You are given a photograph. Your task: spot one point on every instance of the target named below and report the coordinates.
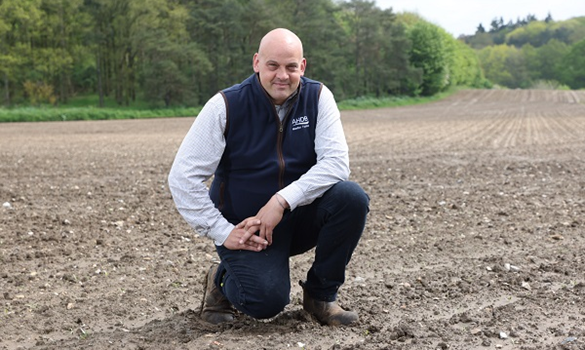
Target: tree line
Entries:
(532, 53)
(180, 52)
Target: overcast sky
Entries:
(463, 16)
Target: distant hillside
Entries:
(532, 53)
(527, 31)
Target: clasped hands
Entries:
(244, 237)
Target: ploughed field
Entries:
(475, 238)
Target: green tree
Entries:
(493, 60)
(463, 64)
(167, 55)
(116, 45)
(573, 66)
(59, 44)
(228, 32)
(318, 23)
(533, 62)
(18, 26)
(429, 53)
(535, 33)
(570, 31)
(8, 61)
(505, 65)
(106, 41)
(363, 25)
(479, 40)
(183, 51)
(549, 58)
(400, 76)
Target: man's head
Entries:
(280, 63)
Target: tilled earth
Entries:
(475, 239)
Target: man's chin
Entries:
(281, 90)
(280, 96)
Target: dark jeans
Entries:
(258, 283)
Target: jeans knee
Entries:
(353, 196)
(266, 305)
(259, 298)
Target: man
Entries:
(276, 148)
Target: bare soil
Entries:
(475, 239)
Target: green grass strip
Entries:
(392, 101)
(45, 114)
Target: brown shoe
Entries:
(328, 313)
(215, 308)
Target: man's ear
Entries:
(303, 66)
(256, 63)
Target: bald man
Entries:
(275, 147)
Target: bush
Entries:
(549, 85)
(39, 92)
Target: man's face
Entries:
(280, 67)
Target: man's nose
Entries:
(282, 73)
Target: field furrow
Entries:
(475, 229)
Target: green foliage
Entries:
(179, 53)
(535, 34)
(480, 40)
(39, 93)
(539, 33)
(530, 31)
(574, 66)
(504, 65)
(533, 53)
(570, 31)
(548, 60)
(377, 51)
(522, 68)
(442, 60)
(548, 85)
(429, 53)
(316, 22)
(167, 55)
(462, 64)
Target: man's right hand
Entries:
(243, 237)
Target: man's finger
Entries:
(262, 232)
(252, 224)
(257, 240)
(246, 236)
(251, 245)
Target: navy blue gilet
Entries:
(263, 155)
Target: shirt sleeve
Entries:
(195, 163)
(332, 156)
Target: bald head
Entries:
(281, 37)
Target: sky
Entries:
(463, 16)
